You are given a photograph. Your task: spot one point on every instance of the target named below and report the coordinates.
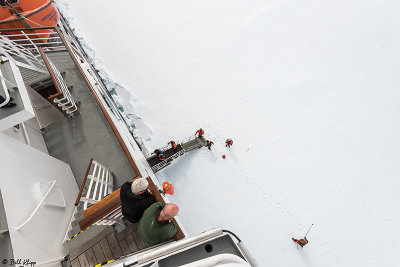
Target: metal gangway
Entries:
(171, 154)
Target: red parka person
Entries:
(302, 242)
(229, 142)
(159, 154)
(200, 132)
(173, 144)
(209, 144)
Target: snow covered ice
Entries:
(309, 93)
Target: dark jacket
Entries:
(153, 232)
(133, 205)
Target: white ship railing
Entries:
(37, 207)
(113, 217)
(101, 184)
(27, 58)
(67, 103)
(29, 40)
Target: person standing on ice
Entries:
(209, 144)
(200, 132)
(173, 144)
(302, 242)
(229, 142)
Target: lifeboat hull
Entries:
(30, 14)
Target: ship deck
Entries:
(88, 135)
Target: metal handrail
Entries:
(190, 138)
(26, 57)
(66, 103)
(166, 162)
(83, 183)
(38, 206)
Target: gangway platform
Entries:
(170, 154)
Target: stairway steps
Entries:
(30, 76)
(75, 230)
(86, 239)
(85, 236)
(76, 221)
(78, 214)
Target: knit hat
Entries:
(139, 185)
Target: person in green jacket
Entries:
(156, 225)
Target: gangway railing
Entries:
(193, 142)
(167, 161)
(63, 98)
(101, 184)
(184, 146)
(113, 217)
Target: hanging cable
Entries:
(238, 239)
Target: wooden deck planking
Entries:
(124, 247)
(114, 246)
(139, 241)
(131, 243)
(98, 252)
(83, 260)
(74, 254)
(75, 263)
(91, 257)
(129, 230)
(106, 249)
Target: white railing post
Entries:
(27, 140)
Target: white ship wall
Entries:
(23, 168)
